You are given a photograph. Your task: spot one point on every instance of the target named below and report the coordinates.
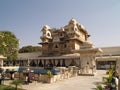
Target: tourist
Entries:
(115, 82)
(39, 77)
(26, 79)
(3, 77)
(0, 78)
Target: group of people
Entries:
(28, 75)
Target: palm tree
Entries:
(16, 83)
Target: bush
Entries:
(8, 88)
(99, 87)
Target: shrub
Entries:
(99, 87)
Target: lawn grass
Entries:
(2, 87)
(6, 87)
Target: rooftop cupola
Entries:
(46, 33)
(73, 21)
(45, 28)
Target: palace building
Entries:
(67, 46)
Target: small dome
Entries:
(46, 27)
(72, 21)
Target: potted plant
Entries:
(49, 76)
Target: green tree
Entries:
(9, 45)
(2, 44)
(29, 49)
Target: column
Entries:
(1, 62)
(56, 62)
(28, 62)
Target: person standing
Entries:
(0, 78)
(115, 81)
(119, 84)
(3, 77)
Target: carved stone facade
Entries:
(69, 45)
(56, 42)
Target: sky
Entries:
(25, 18)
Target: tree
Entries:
(29, 49)
(8, 45)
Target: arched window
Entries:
(32, 63)
(75, 29)
(61, 34)
(48, 34)
(65, 45)
(40, 64)
(56, 46)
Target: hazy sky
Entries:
(25, 18)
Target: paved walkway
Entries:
(75, 83)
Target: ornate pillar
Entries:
(1, 62)
(56, 62)
(28, 62)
